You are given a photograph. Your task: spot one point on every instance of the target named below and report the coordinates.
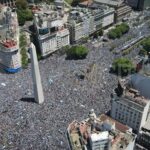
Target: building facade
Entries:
(10, 59)
(130, 108)
(51, 32)
(122, 10)
(100, 133)
(143, 139)
(80, 23)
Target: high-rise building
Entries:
(100, 133)
(10, 59)
(129, 107)
(51, 32)
(81, 24)
(122, 10)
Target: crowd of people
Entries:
(27, 125)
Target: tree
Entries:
(23, 47)
(21, 4)
(146, 44)
(24, 15)
(77, 52)
(123, 66)
(118, 31)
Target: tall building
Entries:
(136, 4)
(129, 107)
(103, 15)
(122, 10)
(85, 21)
(100, 133)
(81, 24)
(10, 59)
(50, 29)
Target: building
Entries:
(84, 21)
(104, 16)
(141, 83)
(80, 23)
(100, 133)
(143, 140)
(129, 107)
(136, 4)
(8, 2)
(122, 10)
(10, 59)
(51, 31)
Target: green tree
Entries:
(21, 4)
(24, 15)
(77, 52)
(146, 44)
(123, 66)
(23, 45)
(118, 31)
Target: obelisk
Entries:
(37, 85)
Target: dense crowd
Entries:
(25, 125)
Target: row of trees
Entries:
(23, 12)
(123, 66)
(146, 46)
(77, 52)
(118, 31)
(23, 47)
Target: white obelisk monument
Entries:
(37, 85)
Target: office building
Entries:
(10, 59)
(122, 10)
(81, 24)
(103, 15)
(129, 107)
(51, 31)
(100, 133)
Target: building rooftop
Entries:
(99, 136)
(140, 83)
(110, 2)
(97, 129)
(130, 94)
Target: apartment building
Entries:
(104, 15)
(81, 24)
(10, 59)
(51, 31)
(122, 10)
(100, 133)
(129, 107)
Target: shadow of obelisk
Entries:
(37, 85)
